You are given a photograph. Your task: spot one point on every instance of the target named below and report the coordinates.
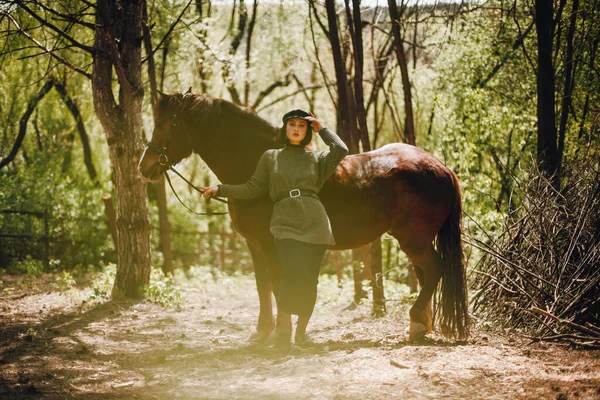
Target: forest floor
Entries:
(64, 344)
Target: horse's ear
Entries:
(162, 100)
(189, 90)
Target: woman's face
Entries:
(295, 130)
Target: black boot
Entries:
(301, 339)
(283, 342)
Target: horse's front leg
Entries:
(264, 286)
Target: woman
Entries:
(293, 176)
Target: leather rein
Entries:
(163, 160)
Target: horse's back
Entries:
(415, 169)
(397, 186)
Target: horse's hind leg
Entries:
(428, 313)
(430, 268)
(264, 286)
(430, 263)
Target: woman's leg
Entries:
(300, 263)
(284, 331)
(284, 321)
(300, 335)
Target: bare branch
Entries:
(319, 63)
(289, 95)
(49, 52)
(261, 96)
(316, 15)
(173, 25)
(147, 40)
(248, 49)
(518, 42)
(74, 18)
(33, 102)
(61, 32)
(83, 136)
(116, 60)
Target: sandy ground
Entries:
(59, 346)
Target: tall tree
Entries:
(118, 48)
(352, 122)
(345, 123)
(164, 225)
(355, 28)
(116, 53)
(409, 126)
(547, 150)
(569, 67)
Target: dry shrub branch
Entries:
(541, 276)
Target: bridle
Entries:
(163, 160)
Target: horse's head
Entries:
(171, 141)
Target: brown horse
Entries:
(397, 188)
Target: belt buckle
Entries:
(295, 193)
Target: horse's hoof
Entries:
(259, 337)
(416, 331)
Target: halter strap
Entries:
(195, 188)
(162, 153)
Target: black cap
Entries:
(295, 114)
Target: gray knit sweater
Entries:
(279, 171)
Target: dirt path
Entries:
(54, 347)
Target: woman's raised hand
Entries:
(209, 191)
(316, 124)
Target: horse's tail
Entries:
(454, 313)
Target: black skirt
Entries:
(300, 265)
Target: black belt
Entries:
(299, 192)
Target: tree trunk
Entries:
(161, 195)
(164, 226)
(203, 71)
(569, 72)
(118, 46)
(248, 51)
(354, 21)
(344, 121)
(409, 127)
(547, 152)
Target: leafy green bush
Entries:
(28, 266)
(102, 283)
(69, 213)
(163, 290)
(65, 282)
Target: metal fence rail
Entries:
(11, 242)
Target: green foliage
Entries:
(65, 282)
(163, 290)
(73, 216)
(29, 266)
(102, 283)
(474, 96)
(484, 125)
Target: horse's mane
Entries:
(209, 111)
